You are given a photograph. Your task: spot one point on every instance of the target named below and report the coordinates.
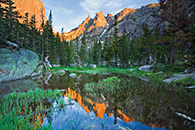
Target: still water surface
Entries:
(138, 106)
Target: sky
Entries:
(70, 13)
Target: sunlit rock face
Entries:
(79, 30)
(95, 26)
(124, 12)
(99, 21)
(131, 20)
(32, 7)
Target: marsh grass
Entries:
(23, 110)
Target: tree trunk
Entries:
(116, 60)
(173, 56)
(18, 39)
(58, 60)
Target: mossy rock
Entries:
(17, 64)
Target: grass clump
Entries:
(21, 110)
(112, 79)
(186, 81)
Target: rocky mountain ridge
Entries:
(130, 19)
(101, 26)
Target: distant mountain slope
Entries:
(32, 7)
(129, 19)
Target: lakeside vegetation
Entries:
(25, 110)
(160, 72)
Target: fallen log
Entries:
(147, 80)
(185, 117)
(190, 87)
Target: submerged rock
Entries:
(22, 85)
(146, 68)
(131, 70)
(18, 64)
(72, 75)
(61, 71)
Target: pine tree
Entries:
(115, 43)
(99, 52)
(55, 51)
(66, 53)
(42, 30)
(107, 52)
(76, 53)
(3, 29)
(83, 50)
(33, 31)
(50, 18)
(11, 18)
(148, 44)
(180, 15)
(159, 50)
(89, 57)
(26, 20)
(95, 52)
(71, 53)
(49, 40)
(124, 50)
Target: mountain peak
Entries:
(124, 12)
(100, 14)
(109, 15)
(153, 5)
(86, 20)
(99, 21)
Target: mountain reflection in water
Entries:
(91, 115)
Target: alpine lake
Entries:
(106, 101)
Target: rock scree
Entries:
(18, 64)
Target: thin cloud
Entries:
(92, 6)
(66, 11)
(114, 3)
(133, 6)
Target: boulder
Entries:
(131, 70)
(146, 68)
(61, 71)
(92, 66)
(54, 65)
(18, 64)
